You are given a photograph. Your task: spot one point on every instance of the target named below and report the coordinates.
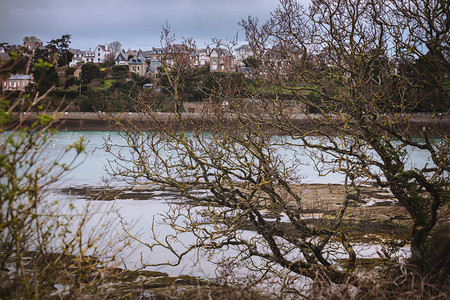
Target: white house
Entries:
(242, 53)
(77, 57)
(89, 56)
(101, 52)
(98, 55)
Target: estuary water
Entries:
(140, 214)
(91, 169)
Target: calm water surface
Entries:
(91, 170)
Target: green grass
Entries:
(108, 83)
(446, 83)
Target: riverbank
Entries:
(104, 282)
(101, 121)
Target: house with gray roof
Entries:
(157, 53)
(77, 57)
(17, 82)
(147, 54)
(121, 59)
(134, 53)
(138, 65)
(201, 58)
(89, 56)
(221, 60)
(241, 53)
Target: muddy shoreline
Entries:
(376, 215)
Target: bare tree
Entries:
(230, 167)
(115, 47)
(31, 41)
(361, 99)
(330, 65)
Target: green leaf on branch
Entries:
(44, 119)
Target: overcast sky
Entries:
(134, 23)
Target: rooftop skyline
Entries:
(135, 23)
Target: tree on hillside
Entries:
(250, 62)
(333, 59)
(18, 63)
(40, 54)
(59, 49)
(31, 41)
(89, 71)
(115, 47)
(45, 76)
(119, 71)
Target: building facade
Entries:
(241, 53)
(101, 53)
(17, 82)
(221, 60)
(137, 65)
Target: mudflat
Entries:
(372, 214)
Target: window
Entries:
(99, 60)
(98, 49)
(98, 54)
(138, 68)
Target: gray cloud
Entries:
(134, 23)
